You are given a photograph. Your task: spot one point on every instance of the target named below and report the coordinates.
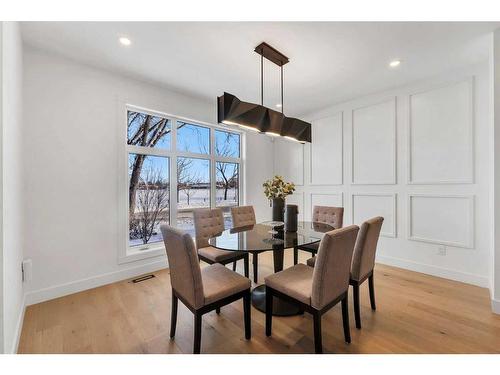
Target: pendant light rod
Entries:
(281, 88)
(261, 79)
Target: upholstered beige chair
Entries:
(316, 290)
(322, 214)
(208, 223)
(363, 262)
(201, 290)
(244, 216)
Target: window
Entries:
(227, 189)
(173, 160)
(193, 189)
(149, 193)
(193, 138)
(147, 130)
(227, 144)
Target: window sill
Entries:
(133, 255)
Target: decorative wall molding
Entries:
(339, 194)
(470, 173)
(469, 244)
(297, 198)
(393, 179)
(393, 233)
(341, 149)
(278, 153)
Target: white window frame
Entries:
(126, 253)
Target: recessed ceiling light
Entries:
(395, 63)
(279, 105)
(125, 41)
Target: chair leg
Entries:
(173, 316)
(345, 318)
(357, 314)
(269, 311)
(217, 310)
(371, 286)
(246, 265)
(197, 333)
(234, 266)
(318, 346)
(255, 261)
(247, 317)
(295, 255)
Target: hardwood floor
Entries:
(415, 313)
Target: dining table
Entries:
(261, 237)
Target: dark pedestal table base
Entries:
(280, 307)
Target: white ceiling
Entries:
(329, 61)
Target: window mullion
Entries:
(213, 185)
(173, 175)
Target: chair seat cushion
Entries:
(313, 247)
(311, 262)
(220, 282)
(295, 282)
(216, 255)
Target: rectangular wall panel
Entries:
(327, 151)
(365, 206)
(440, 135)
(289, 160)
(441, 219)
(374, 144)
(327, 199)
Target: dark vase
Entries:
(278, 205)
(291, 217)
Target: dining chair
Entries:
(323, 214)
(208, 223)
(201, 290)
(244, 216)
(363, 262)
(316, 290)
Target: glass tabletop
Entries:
(257, 237)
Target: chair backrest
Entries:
(243, 216)
(207, 223)
(185, 273)
(330, 215)
(333, 265)
(363, 259)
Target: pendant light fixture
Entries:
(255, 117)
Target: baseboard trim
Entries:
(19, 327)
(446, 273)
(61, 290)
(495, 306)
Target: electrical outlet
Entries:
(27, 270)
(442, 250)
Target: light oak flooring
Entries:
(415, 313)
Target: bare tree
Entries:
(186, 178)
(228, 171)
(152, 200)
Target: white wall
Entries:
(432, 187)
(12, 168)
(495, 168)
(259, 167)
(72, 151)
(1, 193)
